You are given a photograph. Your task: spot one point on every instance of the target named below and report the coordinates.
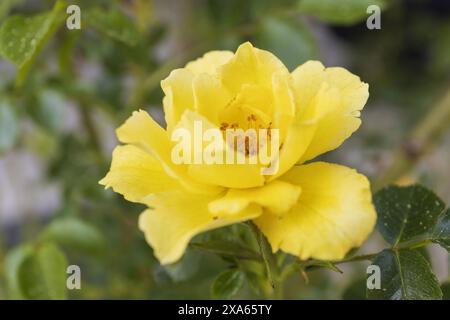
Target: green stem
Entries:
(357, 258)
(310, 265)
(413, 244)
(91, 130)
(270, 264)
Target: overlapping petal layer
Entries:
(142, 131)
(334, 213)
(276, 197)
(135, 174)
(334, 97)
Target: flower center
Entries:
(251, 128)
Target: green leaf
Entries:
(254, 282)
(36, 272)
(42, 274)
(424, 252)
(22, 38)
(114, 24)
(291, 41)
(342, 12)
(227, 284)
(74, 233)
(411, 214)
(13, 261)
(441, 234)
(313, 264)
(405, 275)
(227, 249)
(9, 126)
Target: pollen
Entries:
(224, 126)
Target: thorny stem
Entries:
(357, 258)
(422, 138)
(309, 265)
(88, 123)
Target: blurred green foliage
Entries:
(114, 64)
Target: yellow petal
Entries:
(277, 197)
(341, 96)
(177, 217)
(297, 140)
(209, 62)
(210, 97)
(250, 96)
(307, 80)
(178, 97)
(303, 131)
(297, 128)
(334, 213)
(136, 174)
(195, 87)
(142, 131)
(283, 96)
(228, 175)
(251, 66)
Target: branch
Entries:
(422, 139)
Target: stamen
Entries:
(223, 126)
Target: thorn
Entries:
(304, 276)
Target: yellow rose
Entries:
(316, 210)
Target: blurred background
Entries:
(58, 115)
